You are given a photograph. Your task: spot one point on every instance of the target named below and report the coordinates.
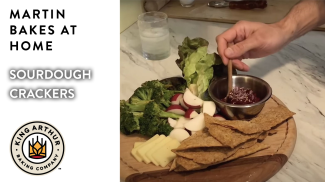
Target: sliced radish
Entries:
(175, 100)
(209, 107)
(179, 134)
(172, 122)
(193, 88)
(196, 107)
(219, 117)
(182, 103)
(190, 113)
(176, 109)
(192, 101)
(196, 124)
(181, 122)
(179, 125)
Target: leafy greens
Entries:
(196, 64)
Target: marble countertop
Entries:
(296, 75)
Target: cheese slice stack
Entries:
(134, 151)
(156, 150)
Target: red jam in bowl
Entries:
(241, 96)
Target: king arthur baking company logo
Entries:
(37, 148)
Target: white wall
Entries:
(129, 11)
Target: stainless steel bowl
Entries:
(218, 90)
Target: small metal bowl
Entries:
(218, 90)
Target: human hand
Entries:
(251, 40)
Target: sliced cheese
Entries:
(164, 155)
(137, 144)
(144, 149)
(157, 146)
(134, 151)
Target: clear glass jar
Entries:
(154, 35)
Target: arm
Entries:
(303, 17)
(255, 40)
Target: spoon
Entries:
(229, 73)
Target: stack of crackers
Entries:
(222, 141)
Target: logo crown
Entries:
(37, 149)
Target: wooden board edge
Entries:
(126, 171)
(160, 176)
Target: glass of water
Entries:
(154, 34)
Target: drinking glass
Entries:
(154, 34)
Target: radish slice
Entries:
(172, 122)
(192, 101)
(209, 107)
(196, 124)
(181, 122)
(196, 107)
(219, 117)
(175, 100)
(179, 134)
(190, 113)
(193, 88)
(182, 103)
(176, 109)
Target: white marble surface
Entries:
(296, 74)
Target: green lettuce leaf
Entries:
(196, 64)
(204, 70)
(187, 48)
(191, 62)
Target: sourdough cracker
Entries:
(229, 137)
(180, 169)
(263, 122)
(247, 151)
(200, 139)
(249, 143)
(185, 164)
(213, 154)
(207, 155)
(174, 165)
(223, 141)
(190, 165)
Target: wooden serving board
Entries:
(274, 12)
(257, 167)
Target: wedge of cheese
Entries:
(144, 149)
(134, 151)
(137, 144)
(157, 146)
(164, 155)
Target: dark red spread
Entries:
(248, 4)
(241, 96)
